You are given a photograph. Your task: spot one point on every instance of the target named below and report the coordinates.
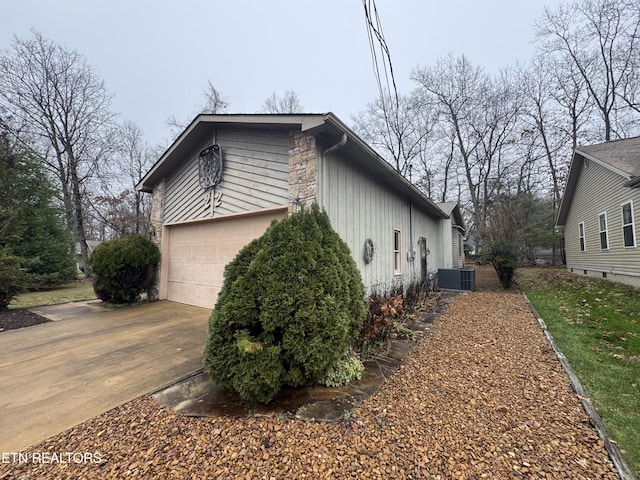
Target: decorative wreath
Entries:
(369, 250)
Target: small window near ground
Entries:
(604, 236)
(628, 229)
(581, 235)
(397, 252)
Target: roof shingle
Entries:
(623, 155)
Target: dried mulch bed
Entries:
(19, 318)
(482, 396)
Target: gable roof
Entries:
(453, 210)
(619, 156)
(622, 156)
(326, 127)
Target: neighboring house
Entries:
(452, 236)
(91, 246)
(226, 177)
(599, 211)
(471, 242)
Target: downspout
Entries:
(337, 146)
(411, 254)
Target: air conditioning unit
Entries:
(457, 279)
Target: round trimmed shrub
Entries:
(291, 304)
(123, 268)
(504, 256)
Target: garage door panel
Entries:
(193, 294)
(198, 253)
(205, 274)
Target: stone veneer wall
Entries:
(303, 168)
(157, 212)
(157, 219)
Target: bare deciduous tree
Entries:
(512, 134)
(55, 101)
(117, 204)
(568, 91)
(287, 103)
(455, 86)
(398, 133)
(214, 103)
(556, 117)
(601, 40)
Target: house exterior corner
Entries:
(270, 166)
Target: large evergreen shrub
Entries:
(13, 279)
(291, 304)
(32, 227)
(123, 268)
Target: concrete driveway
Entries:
(56, 375)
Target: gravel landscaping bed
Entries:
(482, 396)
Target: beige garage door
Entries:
(196, 254)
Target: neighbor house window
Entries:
(581, 235)
(628, 230)
(397, 252)
(604, 240)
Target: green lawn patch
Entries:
(70, 292)
(596, 324)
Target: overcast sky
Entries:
(157, 56)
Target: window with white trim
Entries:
(604, 234)
(628, 228)
(397, 252)
(581, 236)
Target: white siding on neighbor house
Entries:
(457, 245)
(448, 247)
(454, 248)
(360, 207)
(451, 241)
(255, 175)
(598, 191)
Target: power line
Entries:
(376, 36)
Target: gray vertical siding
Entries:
(600, 190)
(362, 207)
(255, 175)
